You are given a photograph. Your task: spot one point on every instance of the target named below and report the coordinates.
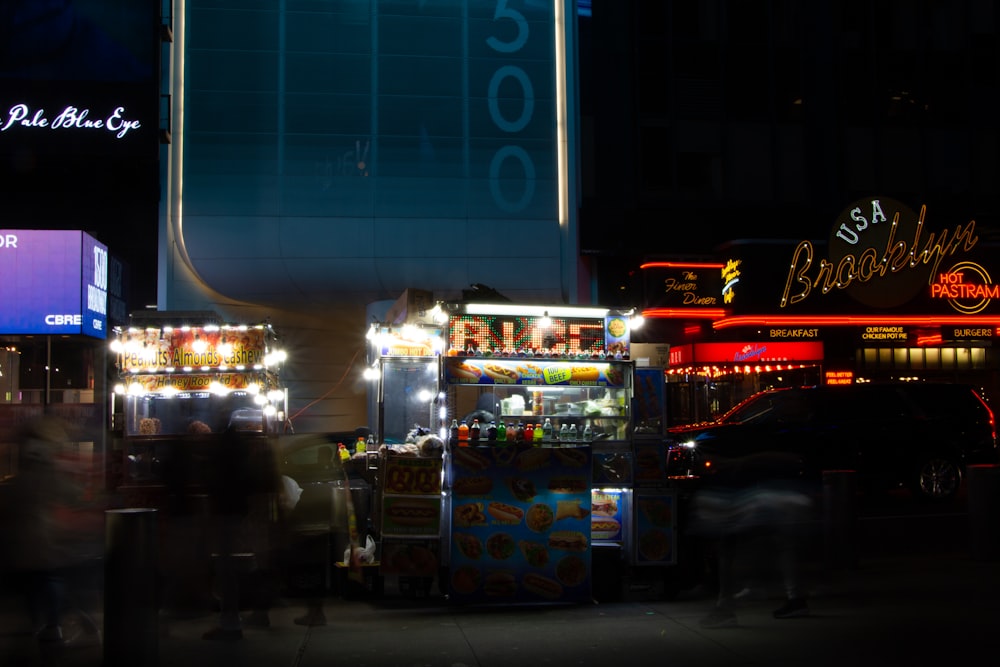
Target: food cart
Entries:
(544, 492)
(550, 518)
(184, 380)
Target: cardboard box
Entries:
(650, 354)
(412, 306)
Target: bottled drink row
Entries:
(500, 434)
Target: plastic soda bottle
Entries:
(538, 436)
(491, 432)
(474, 432)
(529, 433)
(463, 434)
(587, 433)
(572, 433)
(359, 446)
(547, 430)
(501, 432)
(342, 450)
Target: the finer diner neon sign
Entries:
(874, 262)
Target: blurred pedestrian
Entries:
(750, 502)
(229, 504)
(51, 530)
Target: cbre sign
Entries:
(53, 282)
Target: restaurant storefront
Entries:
(891, 295)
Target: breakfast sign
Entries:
(883, 255)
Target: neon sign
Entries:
(965, 297)
(879, 260)
(70, 118)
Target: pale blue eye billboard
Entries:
(53, 282)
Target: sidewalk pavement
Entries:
(903, 609)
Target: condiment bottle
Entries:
(463, 434)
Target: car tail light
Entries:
(989, 413)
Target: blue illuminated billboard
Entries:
(53, 282)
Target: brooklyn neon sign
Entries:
(897, 255)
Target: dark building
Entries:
(725, 134)
(708, 121)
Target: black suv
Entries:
(918, 434)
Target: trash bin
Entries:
(131, 568)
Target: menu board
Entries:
(608, 509)
(411, 499)
(521, 524)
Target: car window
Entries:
(952, 401)
(771, 407)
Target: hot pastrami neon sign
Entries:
(967, 287)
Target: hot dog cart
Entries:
(555, 517)
(544, 493)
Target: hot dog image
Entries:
(421, 512)
(504, 513)
(467, 457)
(550, 589)
(604, 528)
(465, 371)
(501, 374)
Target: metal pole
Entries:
(131, 620)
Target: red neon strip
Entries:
(681, 265)
(681, 313)
(853, 320)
